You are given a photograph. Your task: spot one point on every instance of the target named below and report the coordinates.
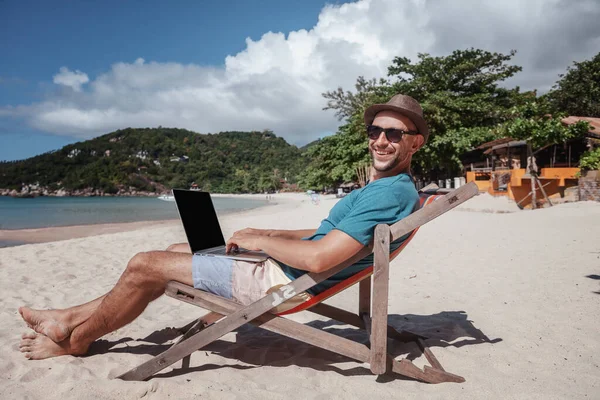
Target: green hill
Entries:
(157, 159)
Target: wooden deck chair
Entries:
(226, 316)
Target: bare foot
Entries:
(38, 347)
(50, 323)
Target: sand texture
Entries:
(509, 300)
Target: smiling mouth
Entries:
(382, 153)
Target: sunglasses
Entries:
(392, 134)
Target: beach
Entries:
(508, 299)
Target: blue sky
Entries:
(39, 37)
(74, 70)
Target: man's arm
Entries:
(296, 234)
(307, 255)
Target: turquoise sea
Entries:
(42, 212)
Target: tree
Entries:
(460, 95)
(578, 91)
(533, 122)
(462, 103)
(346, 103)
(334, 159)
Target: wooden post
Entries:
(532, 175)
(381, 275)
(543, 191)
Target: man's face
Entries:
(392, 158)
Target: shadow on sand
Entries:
(596, 277)
(257, 347)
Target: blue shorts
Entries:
(241, 281)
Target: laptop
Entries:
(202, 228)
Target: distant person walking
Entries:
(315, 198)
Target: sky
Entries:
(72, 71)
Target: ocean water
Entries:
(42, 212)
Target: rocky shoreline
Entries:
(88, 192)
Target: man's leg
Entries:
(144, 280)
(58, 324)
(180, 248)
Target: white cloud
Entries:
(276, 82)
(73, 79)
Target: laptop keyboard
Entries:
(223, 251)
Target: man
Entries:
(396, 130)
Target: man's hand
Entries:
(246, 240)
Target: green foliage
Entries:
(590, 160)
(227, 162)
(578, 91)
(458, 90)
(462, 104)
(531, 122)
(335, 158)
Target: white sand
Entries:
(505, 299)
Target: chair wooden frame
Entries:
(226, 315)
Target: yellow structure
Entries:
(555, 181)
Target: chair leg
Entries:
(429, 355)
(197, 326)
(380, 299)
(427, 374)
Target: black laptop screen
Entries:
(199, 219)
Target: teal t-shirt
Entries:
(384, 201)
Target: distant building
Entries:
(500, 167)
(179, 159)
(74, 153)
(142, 155)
